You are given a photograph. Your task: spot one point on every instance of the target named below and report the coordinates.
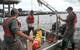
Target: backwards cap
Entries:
(14, 11)
(69, 8)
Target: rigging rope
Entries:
(38, 17)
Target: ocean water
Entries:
(44, 21)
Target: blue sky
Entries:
(60, 5)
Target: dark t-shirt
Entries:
(70, 20)
(70, 25)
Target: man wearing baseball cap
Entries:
(11, 27)
(68, 42)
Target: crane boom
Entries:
(42, 2)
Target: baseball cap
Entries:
(14, 11)
(69, 8)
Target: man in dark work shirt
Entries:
(70, 29)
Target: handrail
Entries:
(59, 41)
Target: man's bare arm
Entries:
(62, 19)
(20, 33)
